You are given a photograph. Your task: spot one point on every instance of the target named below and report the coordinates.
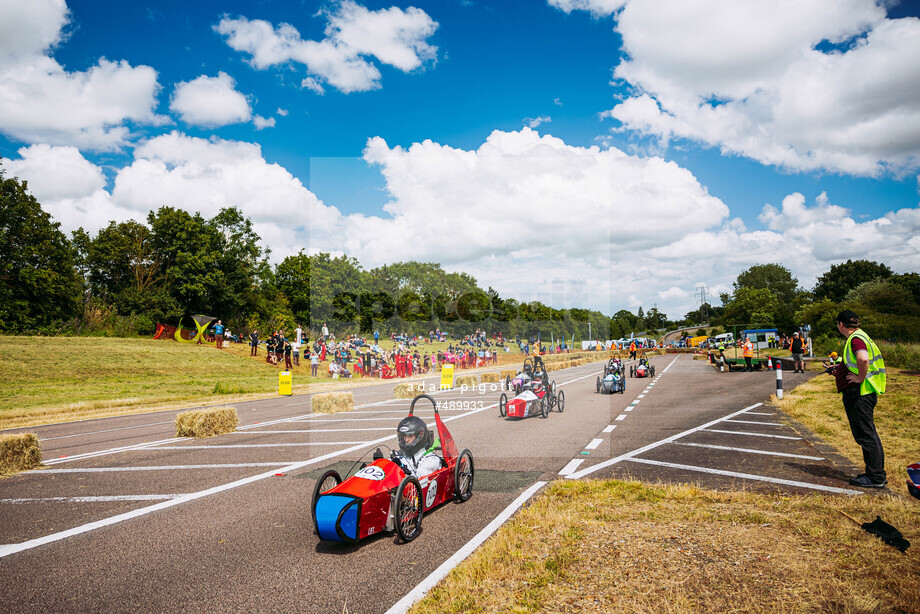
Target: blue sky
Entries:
(600, 153)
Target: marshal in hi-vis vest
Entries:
(875, 377)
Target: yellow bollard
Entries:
(285, 385)
(447, 376)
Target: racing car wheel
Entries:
(409, 509)
(560, 401)
(330, 480)
(463, 476)
(544, 407)
(598, 384)
(503, 405)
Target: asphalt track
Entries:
(127, 517)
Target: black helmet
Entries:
(413, 426)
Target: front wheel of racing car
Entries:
(507, 383)
(632, 371)
(653, 371)
(328, 481)
(544, 407)
(463, 476)
(597, 391)
(408, 509)
(503, 405)
(560, 401)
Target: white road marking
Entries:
(361, 430)
(628, 408)
(752, 422)
(641, 396)
(621, 417)
(262, 445)
(753, 434)
(572, 466)
(612, 461)
(89, 499)
(759, 413)
(140, 446)
(163, 467)
(748, 476)
(704, 445)
(594, 443)
(609, 429)
(403, 605)
(122, 428)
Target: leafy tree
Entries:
(779, 282)
(841, 278)
(910, 282)
(293, 279)
(752, 306)
(884, 296)
(39, 284)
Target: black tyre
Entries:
(632, 371)
(544, 407)
(328, 481)
(507, 383)
(409, 509)
(463, 476)
(653, 371)
(598, 384)
(560, 401)
(503, 405)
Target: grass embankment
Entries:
(615, 546)
(618, 546)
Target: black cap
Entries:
(848, 318)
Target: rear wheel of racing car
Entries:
(330, 480)
(408, 509)
(632, 371)
(463, 476)
(503, 405)
(598, 384)
(544, 407)
(560, 401)
(653, 371)
(507, 383)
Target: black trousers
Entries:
(860, 410)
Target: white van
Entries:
(726, 338)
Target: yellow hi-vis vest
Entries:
(875, 377)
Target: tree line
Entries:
(131, 276)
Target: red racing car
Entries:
(643, 369)
(382, 496)
(536, 396)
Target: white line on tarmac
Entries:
(594, 443)
(572, 466)
(361, 430)
(90, 499)
(628, 408)
(759, 413)
(748, 476)
(162, 467)
(621, 417)
(609, 429)
(403, 605)
(140, 446)
(752, 422)
(262, 445)
(121, 428)
(753, 434)
(612, 461)
(704, 445)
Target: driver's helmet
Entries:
(643, 362)
(413, 435)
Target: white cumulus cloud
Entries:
(354, 36)
(41, 102)
(799, 84)
(210, 102)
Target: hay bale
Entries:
(489, 378)
(332, 402)
(512, 373)
(404, 391)
(19, 452)
(207, 422)
(466, 380)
